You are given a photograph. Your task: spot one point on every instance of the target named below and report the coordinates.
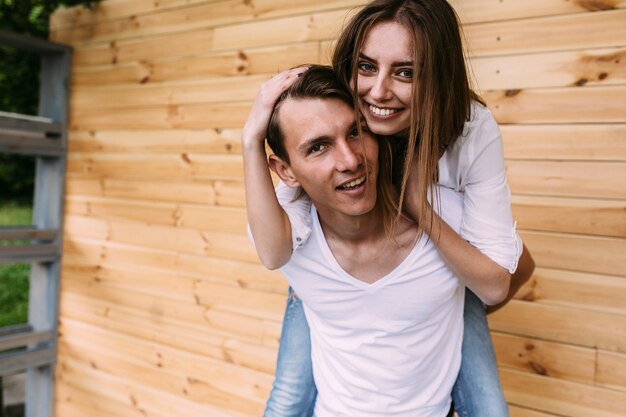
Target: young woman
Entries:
(404, 61)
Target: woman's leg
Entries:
(477, 391)
(293, 393)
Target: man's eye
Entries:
(318, 147)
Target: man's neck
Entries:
(361, 246)
(352, 229)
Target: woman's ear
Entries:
(283, 170)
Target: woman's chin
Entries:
(387, 129)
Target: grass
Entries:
(15, 214)
(14, 277)
(14, 294)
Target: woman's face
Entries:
(385, 78)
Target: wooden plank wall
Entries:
(165, 309)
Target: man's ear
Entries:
(283, 170)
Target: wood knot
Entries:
(596, 5)
(538, 368)
(581, 82)
(512, 93)
(602, 76)
(186, 158)
(529, 347)
(243, 62)
(228, 147)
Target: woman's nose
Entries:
(380, 90)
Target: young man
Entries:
(384, 311)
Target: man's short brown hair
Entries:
(319, 81)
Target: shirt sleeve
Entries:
(487, 218)
(298, 211)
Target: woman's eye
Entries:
(405, 73)
(354, 133)
(366, 67)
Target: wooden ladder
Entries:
(45, 137)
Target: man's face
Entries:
(327, 156)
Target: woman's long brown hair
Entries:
(442, 96)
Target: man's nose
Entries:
(348, 156)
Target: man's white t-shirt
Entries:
(390, 348)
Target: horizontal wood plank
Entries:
(600, 255)
(551, 69)
(599, 180)
(256, 34)
(218, 327)
(563, 398)
(138, 398)
(210, 90)
(472, 11)
(204, 341)
(559, 105)
(172, 166)
(213, 141)
(545, 358)
(216, 219)
(197, 65)
(153, 358)
(601, 29)
(584, 142)
(191, 241)
(188, 116)
(89, 255)
(516, 411)
(111, 9)
(570, 215)
(173, 290)
(562, 324)
(220, 193)
(575, 289)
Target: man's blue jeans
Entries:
(476, 393)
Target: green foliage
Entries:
(14, 294)
(14, 278)
(19, 83)
(32, 16)
(19, 71)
